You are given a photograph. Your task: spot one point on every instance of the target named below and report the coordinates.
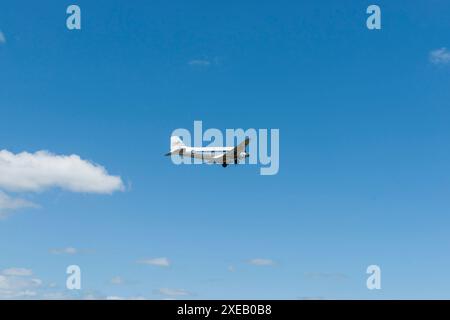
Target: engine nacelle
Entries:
(243, 155)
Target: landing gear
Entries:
(224, 165)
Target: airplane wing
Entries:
(232, 154)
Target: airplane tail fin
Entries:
(176, 145)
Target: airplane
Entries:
(218, 155)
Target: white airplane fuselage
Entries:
(219, 155)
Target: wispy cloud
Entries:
(159, 262)
(440, 56)
(199, 62)
(2, 38)
(9, 204)
(117, 280)
(261, 262)
(20, 283)
(124, 298)
(56, 295)
(67, 250)
(17, 283)
(325, 275)
(31, 172)
(173, 292)
(18, 272)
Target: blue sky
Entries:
(364, 158)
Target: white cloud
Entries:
(117, 280)
(9, 204)
(20, 272)
(231, 269)
(124, 298)
(160, 262)
(174, 292)
(440, 56)
(261, 262)
(42, 170)
(16, 283)
(326, 275)
(200, 63)
(57, 295)
(68, 250)
(19, 283)
(2, 38)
